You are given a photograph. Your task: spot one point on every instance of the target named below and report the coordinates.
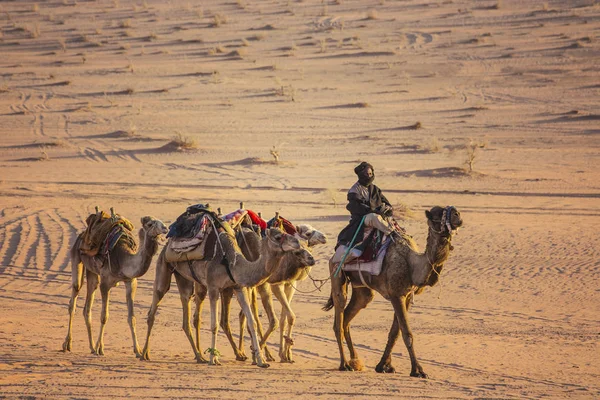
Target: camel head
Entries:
(153, 227)
(282, 241)
(310, 234)
(444, 220)
(304, 256)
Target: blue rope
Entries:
(337, 271)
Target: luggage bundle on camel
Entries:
(104, 231)
(189, 235)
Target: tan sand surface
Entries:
(92, 93)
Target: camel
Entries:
(282, 285)
(214, 277)
(122, 265)
(405, 272)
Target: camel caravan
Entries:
(240, 253)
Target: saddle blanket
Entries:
(172, 255)
(356, 264)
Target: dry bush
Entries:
(472, 153)
(433, 146)
(416, 125)
(258, 37)
(241, 4)
(403, 211)
(44, 156)
(218, 20)
(323, 46)
(275, 153)
(245, 42)
(125, 24)
(130, 67)
(241, 53)
(35, 8)
(183, 143)
(332, 195)
(372, 14)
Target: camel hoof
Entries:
(201, 360)
(356, 364)
(419, 374)
(241, 357)
(265, 365)
(269, 357)
(66, 346)
(385, 369)
(345, 367)
(214, 362)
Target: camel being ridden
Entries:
(121, 265)
(405, 272)
(215, 277)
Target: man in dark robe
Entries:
(365, 200)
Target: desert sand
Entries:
(151, 106)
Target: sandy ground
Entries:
(93, 92)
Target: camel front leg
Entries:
(131, 288)
(226, 296)
(288, 318)
(385, 364)
(200, 292)
(267, 301)
(186, 291)
(105, 292)
(243, 300)
(162, 284)
(402, 316)
(214, 297)
(76, 284)
(92, 286)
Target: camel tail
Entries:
(329, 305)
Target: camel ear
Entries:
(145, 220)
(429, 215)
(274, 233)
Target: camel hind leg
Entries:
(92, 286)
(77, 278)
(186, 291)
(339, 295)
(131, 287)
(360, 298)
(105, 286)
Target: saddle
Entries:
(104, 231)
(282, 224)
(190, 236)
(371, 251)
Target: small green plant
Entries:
(213, 352)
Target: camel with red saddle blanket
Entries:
(109, 253)
(405, 272)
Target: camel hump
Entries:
(99, 226)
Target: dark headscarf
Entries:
(361, 169)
